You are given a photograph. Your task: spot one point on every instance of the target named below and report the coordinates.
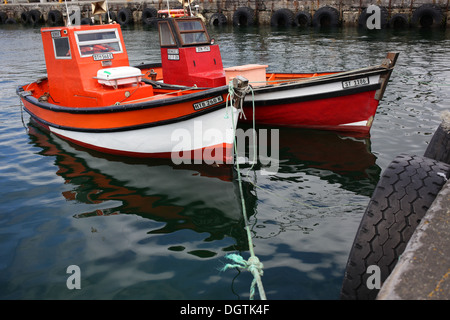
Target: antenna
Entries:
(69, 23)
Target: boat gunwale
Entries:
(132, 127)
(314, 81)
(316, 96)
(207, 92)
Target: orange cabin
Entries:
(88, 66)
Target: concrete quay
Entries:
(423, 270)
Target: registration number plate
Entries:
(207, 103)
(355, 83)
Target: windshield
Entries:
(93, 42)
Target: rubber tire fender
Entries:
(54, 17)
(149, 15)
(399, 21)
(124, 16)
(3, 17)
(429, 11)
(35, 16)
(86, 21)
(401, 198)
(25, 17)
(362, 21)
(302, 19)
(282, 18)
(218, 19)
(326, 17)
(244, 16)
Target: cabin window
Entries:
(62, 48)
(192, 32)
(165, 35)
(98, 42)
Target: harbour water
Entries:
(147, 229)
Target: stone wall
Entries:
(349, 11)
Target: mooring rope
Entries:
(253, 265)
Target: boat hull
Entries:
(146, 129)
(326, 106)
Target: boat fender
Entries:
(399, 21)
(54, 17)
(326, 17)
(302, 19)
(428, 16)
(362, 21)
(86, 21)
(3, 17)
(405, 191)
(35, 16)
(218, 19)
(10, 21)
(124, 16)
(282, 18)
(149, 15)
(244, 16)
(24, 17)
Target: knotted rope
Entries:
(253, 265)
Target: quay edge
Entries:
(394, 13)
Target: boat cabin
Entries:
(188, 55)
(88, 65)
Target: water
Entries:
(152, 230)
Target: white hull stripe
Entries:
(208, 130)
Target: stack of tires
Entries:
(401, 199)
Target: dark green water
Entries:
(152, 230)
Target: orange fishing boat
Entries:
(94, 98)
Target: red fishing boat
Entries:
(94, 98)
(342, 101)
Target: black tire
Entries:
(124, 17)
(35, 17)
(282, 18)
(399, 21)
(112, 16)
(439, 146)
(326, 17)
(218, 19)
(428, 16)
(54, 18)
(10, 21)
(401, 198)
(148, 16)
(362, 21)
(86, 21)
(25, 17)
(302, 19)
(244, 16)
(3, 17)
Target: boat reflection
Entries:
(345, 159)
(198, 197)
